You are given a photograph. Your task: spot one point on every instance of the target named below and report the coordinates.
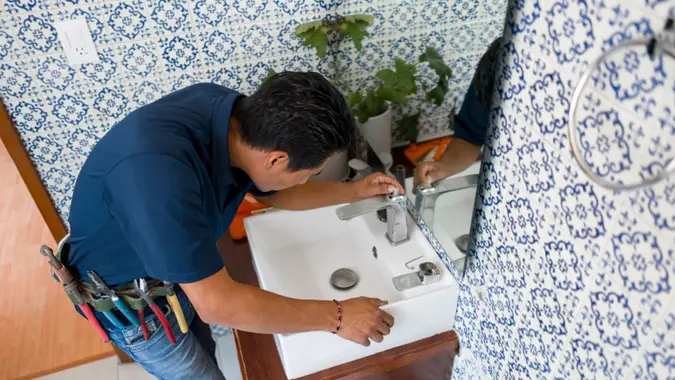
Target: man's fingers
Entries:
(391, 181)
(423, 171)
(377, 302)
(376, 336)
(387, 319)
(383, 328)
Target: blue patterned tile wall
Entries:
(148, 48)
(569, 280)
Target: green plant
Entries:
(328, 34)
(395, 86)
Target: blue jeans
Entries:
(192, 357)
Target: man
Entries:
(163, 185)
(470, 124)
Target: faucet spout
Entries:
(425, 198)
(397, 226)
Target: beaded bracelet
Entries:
(339, 313)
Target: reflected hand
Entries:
(431, 171)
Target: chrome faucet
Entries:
(425, 198)
(395, 204)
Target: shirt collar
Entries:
(222, 113)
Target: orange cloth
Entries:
(246, 209)
(415, 152)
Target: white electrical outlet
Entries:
(76, 40)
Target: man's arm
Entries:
(313, 195)
(219, 299)
(458, 156)
(156, 200)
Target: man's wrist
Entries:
(327, 313)
(353, 192)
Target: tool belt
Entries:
(126, 292)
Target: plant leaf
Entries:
(357, 32)
(437, 94)
(387, 76)
(390, 94)
(409, 125)
(359, 18)
(435, 61)
(405, 77)
(315, 35)
(353, 99)
(355, 26)
(397, 85)
(370, 106)
(305, 27)
(269, 76)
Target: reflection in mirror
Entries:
(443, 188)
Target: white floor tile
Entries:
(226, 352)
(105, 369)
(133, 371)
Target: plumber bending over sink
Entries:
(162, 187)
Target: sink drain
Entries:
(344, 279)
(462, 243)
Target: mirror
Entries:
(446, 170)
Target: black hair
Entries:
(486, 72)
(302, 114)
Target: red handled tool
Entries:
(71, 288)
(141, 287)
(144, 326)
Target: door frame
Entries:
(18, 153)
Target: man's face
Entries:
(275, 176)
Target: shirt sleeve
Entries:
(471, 122)
(157, 201)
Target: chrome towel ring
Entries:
(667, 48)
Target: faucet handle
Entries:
(363, 207)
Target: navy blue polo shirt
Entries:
(158, 191)
(471, 122)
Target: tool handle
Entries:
(178, 311)
(165, 322)
(124, 309)
(94, 322)
(113, 319)
(144, 326)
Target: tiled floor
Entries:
(110, 369)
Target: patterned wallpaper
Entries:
(569, 280)
(148, 48)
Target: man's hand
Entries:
(363, 320)
(375, 184)
(431, 171)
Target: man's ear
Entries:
(276, 158)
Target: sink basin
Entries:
(452, 213)
(295, 253)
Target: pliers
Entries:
(175, 306)
(141, 287)
(71, 287)
(104, 292)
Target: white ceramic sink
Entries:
(295, 253)
(452, 214)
